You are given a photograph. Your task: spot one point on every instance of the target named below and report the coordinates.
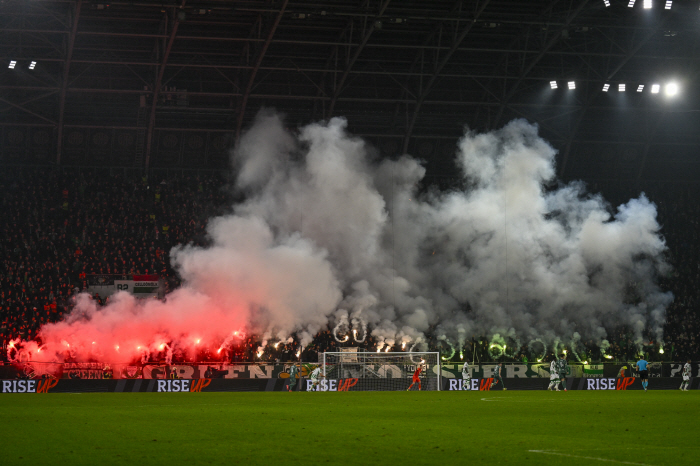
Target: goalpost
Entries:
(383, 371)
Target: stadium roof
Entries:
(172, 83)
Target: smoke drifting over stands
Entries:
(329, 233)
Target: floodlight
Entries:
(668, 4)
(607, 2)
(553, 84)
(572, 85)
(606, 87)
(640, 88)
(621, 87)
(631, 3)
(32, 65)
(655, 88)
(12, 64)
(647, 4)
(671, 89)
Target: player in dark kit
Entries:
(563, 367)
(498, 376)
(291, 383)
(416, 378)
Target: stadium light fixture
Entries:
(621, 87)
(606, 87)
(647, 4)
(671, 89)
(655, 88)
(572, 84)
(631, 3)
(12, 64)
(553, 84)
(607, 3)
(32, 65)
(668, 4)
(640, 88)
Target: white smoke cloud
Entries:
(327, 235)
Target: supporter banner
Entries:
(102, 280)
(34, 370)
(593, 370)
(193, 386)
(140, 289)
(141, 286)
(537, 370)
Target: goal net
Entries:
(382, 371)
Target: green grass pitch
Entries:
(384, 428)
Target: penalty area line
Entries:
(593, 458)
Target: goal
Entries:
(382, 371)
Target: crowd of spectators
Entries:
(61, 226)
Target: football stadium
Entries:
(349, 231)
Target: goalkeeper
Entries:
(466, 377)
(497, 375)
(292, 382)
(315, 375)
(416, 377)
(553, 375)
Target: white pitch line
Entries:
(546, 452)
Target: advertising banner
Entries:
(50, 385)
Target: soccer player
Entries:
(416, 377)
(686, 376)
(315, 375)
(643, 373)
(466, 377)
(497, 374)
(553, 375)
(562, 369)
(291, 383)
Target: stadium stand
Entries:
(61, 225)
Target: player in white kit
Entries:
(466, 377)
(553, 375)
(686, 376)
